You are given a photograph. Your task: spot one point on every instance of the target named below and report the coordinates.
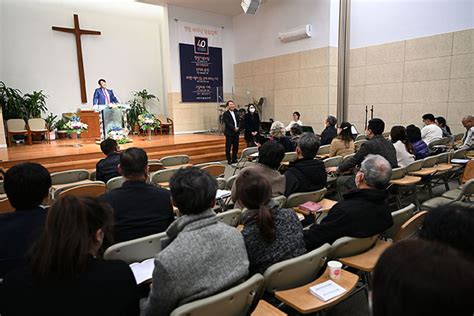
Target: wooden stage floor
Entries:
(62, 155)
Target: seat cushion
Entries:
(435, 202)
(452, 194)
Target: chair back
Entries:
(281, 199)
(435, 143)
(58, 192)
(443, 157)
(347, 157)
(136, 250)
(350, 246)
(411, 227)
(248, 151)
(162, 176)
(155, 166)
(398, 173)
(296, 199)
(230, 182)
(94, 190)
(459, 154)
(289, 157)
(16, 125)
(69, 176)
(235, 301)
(5, 206)
(154, 161)
(429, 162)
(216, 170)
(361, 137)
(414, 166)
(332, 162)
(115, 183)
(221, 183)
(445, 141)
(203, 164)
(324, 150)
(2, 187)
(93, 175)
(399, 217)
(177, 160)
(231, 217)
(37, 124)
(359, 143)
(295, 272)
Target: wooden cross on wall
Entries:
(80, 63)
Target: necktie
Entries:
(106, 94)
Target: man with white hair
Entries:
(468, 139)
(363, 213)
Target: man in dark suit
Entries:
(363, 213)
(26, 186)
(107, 168)
(330, 131)
(140, 209)
(104, 96)
(231, 131)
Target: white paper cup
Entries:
(335, 268)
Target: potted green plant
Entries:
(51, 125)
(11, 101)
(34, 104)
(61, 129)
(137, 107)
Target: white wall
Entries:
(205, 18)
(376, 22)
(256, 36)
(127, 54)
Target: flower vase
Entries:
(75, 135)
(148, 131)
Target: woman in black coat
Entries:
(251, 125)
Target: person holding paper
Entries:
(66, 274)
(104, 96)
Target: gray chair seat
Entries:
(435, 202)
(452, 194)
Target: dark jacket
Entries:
(378, 145)
(18, 231)
(286, 143)
(305, 175)
(251, 124)
(106, 168)
(327, 135)
(229, 125)
(362, 213)
(140, 209)
(104, 288)
(288, 243)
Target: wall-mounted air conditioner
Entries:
(296, 34)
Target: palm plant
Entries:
(11, 101)
(138, 105)
(34, 104)
(51, 121)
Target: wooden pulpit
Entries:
(91, 118)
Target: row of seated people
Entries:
(65, 272)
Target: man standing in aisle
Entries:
(104, 96)
(231, 131)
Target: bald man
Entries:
(468, 139)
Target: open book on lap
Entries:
(143, 271)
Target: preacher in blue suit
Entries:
(103, 95)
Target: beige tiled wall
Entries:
(190, 117)
(404, 80)
(305, 81)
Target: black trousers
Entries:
(231, 141)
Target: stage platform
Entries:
(62, 155)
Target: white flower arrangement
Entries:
(147, 121)
(120, 135)
(75, 125)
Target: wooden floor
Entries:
(62, 155)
